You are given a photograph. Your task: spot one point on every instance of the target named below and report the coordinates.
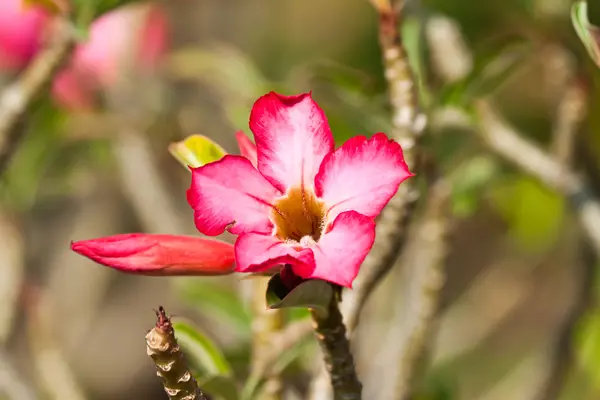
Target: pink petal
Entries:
(340, 252)
(231, 194)
(247, 148)
(145, 254)
(257, 253)
(292, 137)
(361, 175)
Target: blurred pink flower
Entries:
(132, 38)
(293, 199)
(21, 32)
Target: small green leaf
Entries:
(196, 151)
(587, 338)
(588, 33)
(491, 70)
(469, 180)
(534, 213)
(202, 353)
(217, 300)
(313, 293)
(220, 387)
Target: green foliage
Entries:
(254, 384)
(215, 375)
(533, 212)
(314, 293)
(196, 151)
(40, 149)
(469, 180)
(589, 34)
(218, 301)
(491, 70)
(588, 346)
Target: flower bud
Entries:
(148, 254)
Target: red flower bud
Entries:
(146, 254)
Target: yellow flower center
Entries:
(298, 214)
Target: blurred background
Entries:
(520, 277)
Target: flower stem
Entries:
(170, 363)
(331, 334)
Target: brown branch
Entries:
(17, 99)
(171, 366)
(339, 362)
(505, 142)
(555, 173)
(569, 116)
(407, 127)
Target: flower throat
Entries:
(298, 214)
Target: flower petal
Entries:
(361, 175)
(340, 252)
(292, 137)
(230, 194)
(257, 253)
(146, 254)
(247, 148)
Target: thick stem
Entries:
(331, 334)
(407, 125)
(171, 366)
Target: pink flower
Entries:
(305, 203)
(159, 254)
(21, 31)
(133, 37)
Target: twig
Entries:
(407, 127)
(142, 182)
(265, 325)
(552, 171)
(17, 99)
(570, 114)
(171, 366)
(505, 142)
(415, 320)
(563, 354)
(12, 260)
(331, 335)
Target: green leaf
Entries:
(196, 151)
(412, 37)
(588, 33)
(587, 339)
(533, 212)
(216, 300)
(469, 180)
(491, 70)
(201, 351)
(314, 293)
(38, 153)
